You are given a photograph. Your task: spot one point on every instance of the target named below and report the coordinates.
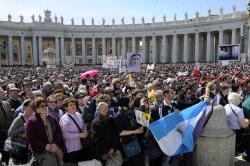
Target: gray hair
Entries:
(102, 105)
(232, 97)
(158, 92)
(47, 83)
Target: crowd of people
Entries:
(57, 118)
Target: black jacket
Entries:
(154, 108)
(14, 104)
(183, 104)
(104, 135)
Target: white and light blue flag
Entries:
(176, 133)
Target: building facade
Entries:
(177, 41)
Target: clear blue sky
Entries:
(117, 9)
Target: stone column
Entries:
(94, 52)
(40, 50)
(73, 47)
(133, 44)
(10, 50)
(34, 51)
(124, 48)
(208, 51)
(113, 47)
(164, 49)
(185, 49)
(57, 50)
(167, 47)
(104, 52)
(233, 36)
(221, 37)
(22, 58)
(174, 50)
(144, 49)
(197, 47)
(62, 51)
(154, 49)
(83, 51)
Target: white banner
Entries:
(225, 63)
(109, 62)
(151, 67)
(182, 73)
(122, 63)
(134, 62)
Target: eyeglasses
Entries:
(80, 97)
(53, 102)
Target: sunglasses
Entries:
(53, 102)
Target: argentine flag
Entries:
(176, 133)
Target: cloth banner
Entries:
(134, 62)
(182, 73)
(122, 64)
(151, 67)
(109, 62)
(225, 63)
